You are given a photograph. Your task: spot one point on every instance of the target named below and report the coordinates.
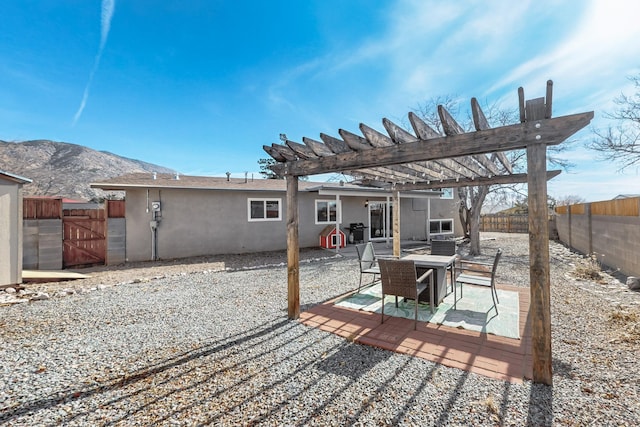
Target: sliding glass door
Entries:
(380, 224)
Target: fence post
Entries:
(589, 226)
(569, 224)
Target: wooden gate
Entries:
(84, 237)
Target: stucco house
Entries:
(174, 216)
(11, 228)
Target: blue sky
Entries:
(200, 86)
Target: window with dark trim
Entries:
(441, 226)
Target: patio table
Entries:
(439, 263)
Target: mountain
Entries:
(63, 169)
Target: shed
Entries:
(330, 237)
(11, 228)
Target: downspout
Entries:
(154, 228)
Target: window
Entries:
(447, 193)
(327, 211)
(441, 226)
(265, 210)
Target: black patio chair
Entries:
(399, 278)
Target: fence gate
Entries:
(84, 237)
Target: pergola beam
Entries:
(518, 178)
(518, 136)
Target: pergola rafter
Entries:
(402, 161)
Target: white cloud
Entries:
(597, 56)
(108, 6)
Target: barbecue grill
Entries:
(356, 229)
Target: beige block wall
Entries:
(615, 240)
(116, 241)
(42, 248)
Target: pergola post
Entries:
(539, 277)
(396, 223)
(293, 249)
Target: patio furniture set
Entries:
(410, 276)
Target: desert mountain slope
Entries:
(63, 169)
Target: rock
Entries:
(633, 283)
(40, 296)
(26, 293)
(10, 290)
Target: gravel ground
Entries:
(208, 342)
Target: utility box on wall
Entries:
(329, 238)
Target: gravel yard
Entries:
(208, 342)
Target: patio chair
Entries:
(399, 279)
(367, 261)
(480, 274)
(445, 247)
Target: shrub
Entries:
(589, 268)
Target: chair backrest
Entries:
(366, 255)
(495, 265)
(398, 277)
(443, 247)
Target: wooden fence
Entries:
(504, 223)
(37, 208)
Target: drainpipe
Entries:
(154, 234)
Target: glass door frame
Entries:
(387, 228)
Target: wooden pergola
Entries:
(403, 161)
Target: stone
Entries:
(10, 290)
(40, 296)
(26, 293)
(633, 283)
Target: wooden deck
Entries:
(489, 355)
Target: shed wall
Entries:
(10, 233)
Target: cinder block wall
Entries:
(42, 244)
(613, 239)
(116, 241)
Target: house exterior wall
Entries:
(10, 233)
(416, 214)
(208, 222)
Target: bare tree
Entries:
(470, 199)
(571, 199)
(621, 143)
